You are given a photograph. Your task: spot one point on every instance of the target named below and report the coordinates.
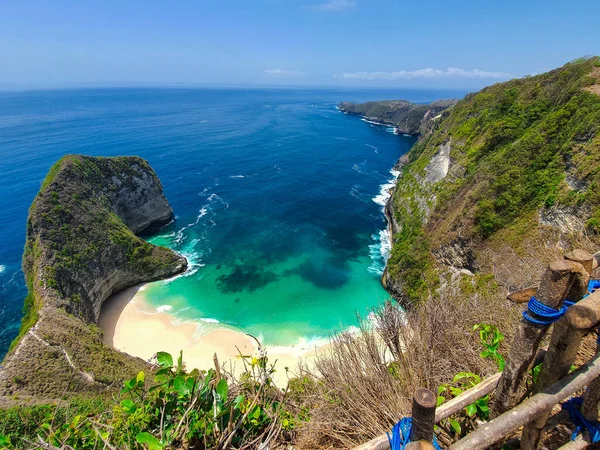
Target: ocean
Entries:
(278, 197)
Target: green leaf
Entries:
(238, 402)
(128, 406)
(5, 441)
(180, 361)
(256, 412)
(140, 378)
(441, 399)
(184, 385)
(222, 389)
(149, 440)
(471, 409)
(164, 359)
(455, 426)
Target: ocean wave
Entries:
(237, 176)
(375, 149)
(356, 193)
(359, 168)
(215, 197)
(209, 320)
(2, 268)
(380, 250)
(384, 189)
(179, 236)
(364, 119)
(203, 121)
(164, 308)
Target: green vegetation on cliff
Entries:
(524, 157)
(81, 247)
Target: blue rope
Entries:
(401, 435)
(547, 314)
(573, 407)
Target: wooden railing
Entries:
(564, 279)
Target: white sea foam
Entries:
(237, 176)
(209, 320)
(180, 236)
(214, 197)
(356, 193)
(364, 119)
(2, 268)
(375, 149)
(203, 121)
(359, 167)
(380, 250)
(164, 308)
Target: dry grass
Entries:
(367, 379)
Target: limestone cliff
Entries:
(508, 172)
(81, 247)
(406, 117)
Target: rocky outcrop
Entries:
(406, 117)
(81, 247)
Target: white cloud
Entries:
(336, 5)
(451, 72)
(283, 73)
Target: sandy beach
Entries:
(133, 326)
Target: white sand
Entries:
(134, 327)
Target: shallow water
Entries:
(277, 196)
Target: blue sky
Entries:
(372, 43)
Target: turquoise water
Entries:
(277, 196)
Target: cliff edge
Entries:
(81, 248)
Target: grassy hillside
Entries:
(524, 175)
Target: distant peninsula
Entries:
(82, 247)
(406, 117)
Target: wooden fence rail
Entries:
(564, 279)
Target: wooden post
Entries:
(423, 415)
(555, 284)
(420, 445)
(494, 431)
(562, 351)
(591, 399)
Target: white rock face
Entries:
(564, 219)
(437, 169)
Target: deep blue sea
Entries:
(277, 195)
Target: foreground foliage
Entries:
(199, 410)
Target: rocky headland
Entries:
(406, 117)
(82, 246)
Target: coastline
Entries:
(131, 325)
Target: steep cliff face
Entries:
(407, 117)
(508, 171)
(80, 249)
